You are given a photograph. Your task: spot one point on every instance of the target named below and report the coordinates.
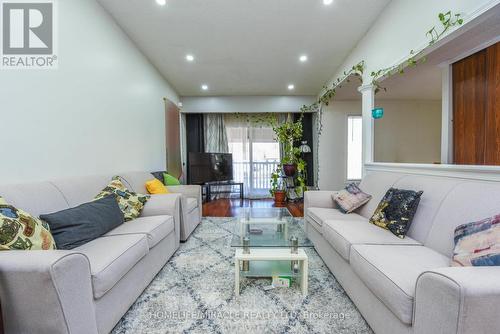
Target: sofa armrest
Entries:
(459, 300)
(165, 205)
(192, 191)
(46, 292)
(319, 199)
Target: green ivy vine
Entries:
(448, 20)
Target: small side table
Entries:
(270, 255)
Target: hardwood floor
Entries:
(227, 207)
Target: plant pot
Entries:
(279, 197)
(289, 169)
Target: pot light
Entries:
(291, 87)
(204, 87)
(161, 2)
(327, 2)
(303, 58)
(189, 57)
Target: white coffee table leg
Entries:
(305, 277)
(236, 277)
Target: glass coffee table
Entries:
(269, 242)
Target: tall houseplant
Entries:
(286, 134)
(292, 164)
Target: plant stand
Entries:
(291, 189)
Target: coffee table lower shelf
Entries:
(268, 262)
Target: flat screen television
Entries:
(210, 167)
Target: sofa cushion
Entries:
(79, 190)
(317, 216)
(136, 181)
(156, 228)
(376, 184)
(391, 273)
(35, 198)
(435, 191)
(191, 204)
(111, 258)
(342, 234)
(468, 202)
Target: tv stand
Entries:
(209, 191)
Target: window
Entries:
(354, 147)
(256, 155)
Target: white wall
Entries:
(244, 104)
(100, 112)
(402, 27)
(409, 132)
(332, 152)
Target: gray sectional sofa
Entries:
(88, 289)
(407, 285)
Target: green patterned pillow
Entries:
(21, 231)
(130, 202)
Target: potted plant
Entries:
(278, 188)
(286, 134)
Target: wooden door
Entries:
(476, 114)
(173, 139)
(492, 143)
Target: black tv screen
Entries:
(210, 167)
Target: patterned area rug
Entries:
(194, 293)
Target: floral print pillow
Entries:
(21, 231)
(130, 203)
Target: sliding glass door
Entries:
(255, 156)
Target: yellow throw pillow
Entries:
(155, 187)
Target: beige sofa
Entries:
(191, 201)
(407, 285)
(88, 289)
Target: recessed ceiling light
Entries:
(204, 87)
(291, 87)
(161, 2)
(189, 57)
(303, 58)
(327, 2)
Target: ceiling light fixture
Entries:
(161, 2)
(291, 87)
(189, 57)
(327, 2)
(204, 87)
(303, 58)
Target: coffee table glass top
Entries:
(268, 227)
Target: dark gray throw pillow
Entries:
(77, 226)
(159, 176)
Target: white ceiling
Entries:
(246, 47)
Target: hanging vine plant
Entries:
(448, 21)
(357, 71)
